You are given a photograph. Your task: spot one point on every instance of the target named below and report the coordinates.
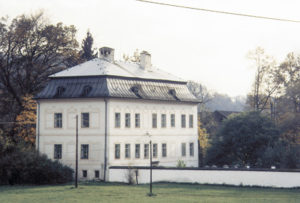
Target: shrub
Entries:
(28, 167)
(180, 164)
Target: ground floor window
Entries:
(97, 174)
(191, 149)
(146, 151)
(84, 173)
(57, 151)
(154, 150)
(137, 151)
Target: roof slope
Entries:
(101, 67)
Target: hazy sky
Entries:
(205, 47)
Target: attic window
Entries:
(86, 90)
(136, 91)
(172, 92)
(60, 90)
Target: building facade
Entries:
(121, 106)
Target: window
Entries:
(191, 149)
(154, 120)
(84, 151)
(146, 151)
(183, 122)
(173, 120)
(191, 121)
(58, 120)
(85, 120)
(57, 151)
(164, 150)
(163, 120)
(84, 173)
(137, 120)
(97, 174)
(183, 149)
(127, 150)
(127, 120)
(117, 151)
(137, 151)
(154, 151)
(117, 120)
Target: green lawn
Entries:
(167, 193)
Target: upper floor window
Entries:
(191, 149)
(155, 150)
(172, 120)
(137, 151)
(85, 120)
(127, 120)
(84, 151)
(163, 120)
(137, 120)
(57, 151)
(146, 151)
(154, 120)
(117, 120)
(191, 121)
(117, 151)
(57, 120)
(164, 150)
(127, 150)
(183, 121)
(183, 149)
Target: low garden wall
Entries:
(245, 177)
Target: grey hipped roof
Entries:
(115, 87)
(100, 78)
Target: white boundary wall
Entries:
(228, 177)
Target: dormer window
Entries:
(86, 90)
(172, 92)
(136, 91)
(60, 90)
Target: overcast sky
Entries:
(204, 47)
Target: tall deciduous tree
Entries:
(87, 50)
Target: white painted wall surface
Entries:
(245, 178)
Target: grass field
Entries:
(164, 192)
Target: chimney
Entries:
(107, 53)
(145, 61)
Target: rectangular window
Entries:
(191, 121)
(154, 120)
(57, 151)
(97, 174)
(84, 151)
(84, 173)
(127, 120)
(191, 149)
(117, 120)
(164, 150)
(163, 120)
(183, 121)
(127, 150)
(173, 120)
(57, 120)
(146, 151)
(137, 120)
(85, 120)
(154, 150)
(183, 149)
(137, 151)
(117, 151)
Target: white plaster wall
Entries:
(172, 136)
(245, 178)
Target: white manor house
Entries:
(120, 107)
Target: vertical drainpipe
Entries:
(105, 141)
(38, 127)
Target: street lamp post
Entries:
(150, 194)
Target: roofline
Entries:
(106, 97)
(121, 77)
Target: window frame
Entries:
(58, 122)
(191, 121)
(57, 155)
(117, 151)
(127, 120)
(146, 151)
(85, 122)
(84, 152)
(154, 150)
(137, 151)
(172, 120)
(84, 173)
(183, 121)
(154, 120)
(97, 174)
(127, 151)
(183, 149)
(192, 149)
(137, 118)
(163, 120)
(164, 151)
(117, 120)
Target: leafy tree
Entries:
(30, 50)
(134, 58)
(201, 93)
(242, 140)
(87, 50)
(203, 138)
